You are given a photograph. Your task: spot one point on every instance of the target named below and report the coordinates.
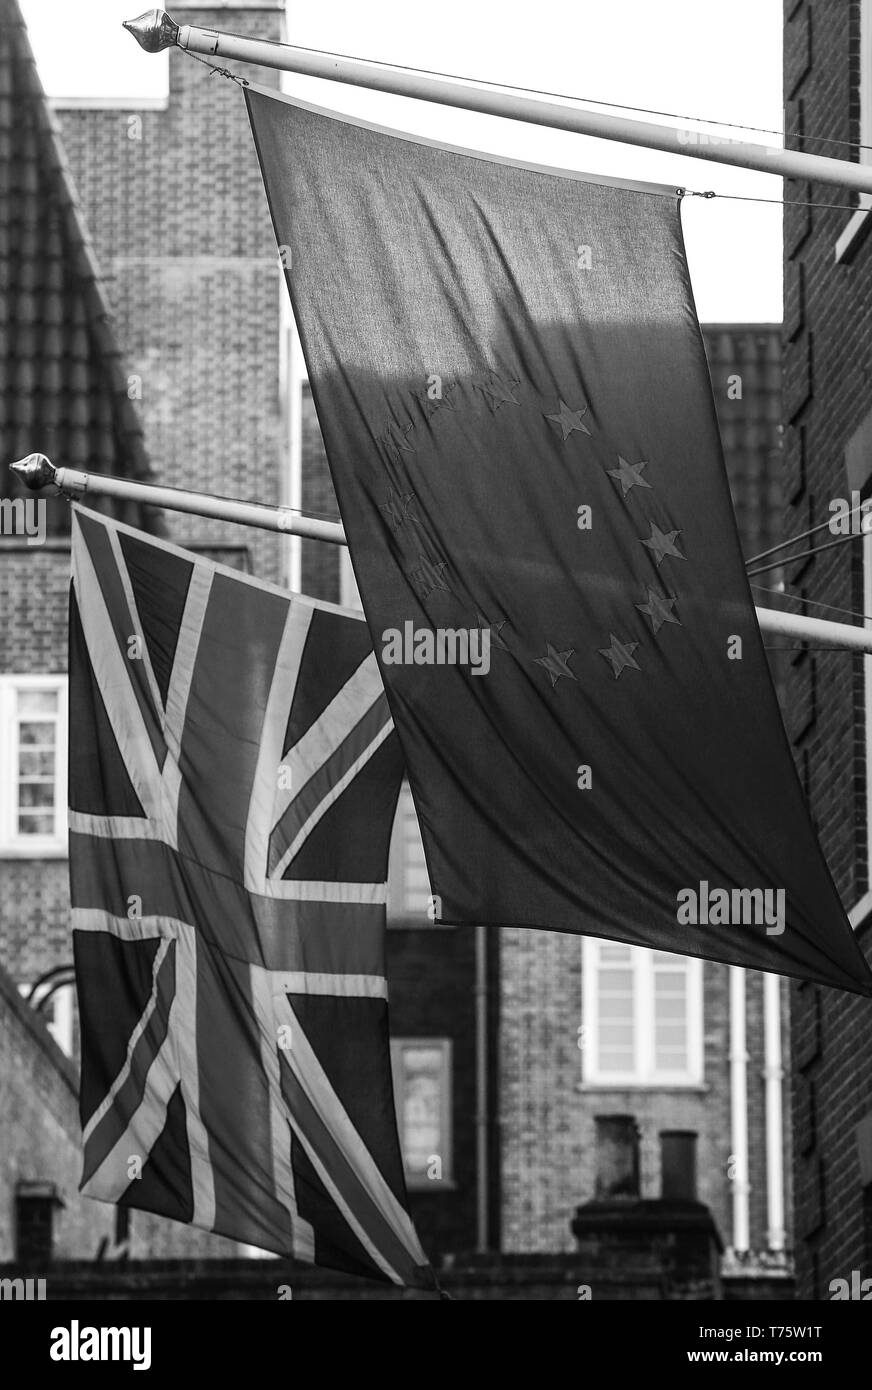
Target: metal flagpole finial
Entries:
(35, 471)
(153, 30)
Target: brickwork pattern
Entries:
(827, 376)
(193, 275)
(548, 1116)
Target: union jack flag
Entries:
(233, 777)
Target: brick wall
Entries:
(34, 896)
(827, 380)
(319, 562)
(40, 1137)
(40, 1141)
(548, 1118)
(179, 218)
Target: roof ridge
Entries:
(86, 268)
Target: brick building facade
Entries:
(503, 1070)
(170, 204)
(828, 454)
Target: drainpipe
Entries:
(739, 1109)
(773, 1073)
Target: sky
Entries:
(717, 61)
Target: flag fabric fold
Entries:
(233, 778)
(512, 387)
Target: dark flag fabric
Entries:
(511, 382)
(233, 778)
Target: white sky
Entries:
(694, 58)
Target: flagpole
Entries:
(155, 31)
(36, 471)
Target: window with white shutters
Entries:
(642, 1017)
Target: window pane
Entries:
(36, 764)
(616, 1033)
(616, 1059)
(37, 733)
(670, 981)
(613, 953)
(671, 1007)
(422, 1082)
(37, 701)
(670, 1019)
(670, 1062)
(32, 823)
(32, 794)
(614, 1006)
(616, 982)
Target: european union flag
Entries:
(514, 396)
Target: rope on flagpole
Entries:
(221, 72)
(803, 536)
(804, 554)
(681, 192)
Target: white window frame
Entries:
(643, 1075)
(419, 1182)
(14, 845)
(864, 156)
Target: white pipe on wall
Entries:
(773, 1074)
(739, 1111)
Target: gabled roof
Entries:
(63, 383)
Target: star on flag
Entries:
(620, 654)
(496, 389)
(569, 420)
(628, 475)
(395, 441)
(429, 576)
(556, 663)
(659, 609)
(398, 508)
(495, 629)
(662, 543)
